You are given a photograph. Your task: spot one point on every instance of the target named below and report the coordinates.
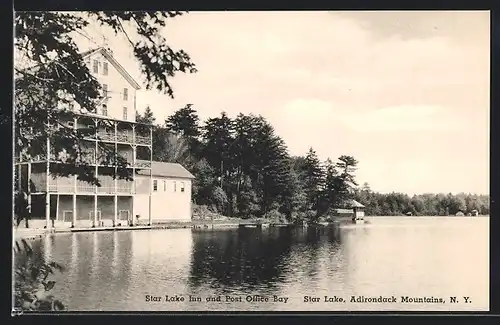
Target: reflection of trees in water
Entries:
(251, 258)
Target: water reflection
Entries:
(257, 261)
(114, 271)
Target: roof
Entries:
(111, 59)
(355, 204)
(115, 63)
(340, 211)
(166, 170)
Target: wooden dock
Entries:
(117, 228)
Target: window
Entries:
(96, 66)
(125, 94)
(105, 90)
(155, 185)
(105, 68)
(164, 186)
(175, 187)
(182, 186)
(125, 113)
(104, 110)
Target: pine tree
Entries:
(146, 118)
(330, 192)
(185, 123)
(217, 137)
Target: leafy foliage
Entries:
(395, 204)
(31, 283)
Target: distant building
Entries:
(475, 213)
(352, 209)
(460, 214)
(358, 209)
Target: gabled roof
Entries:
(111, 59)
(340, 211)
(355, 204)
(164, 169)
(115, 63)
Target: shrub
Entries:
(275, 216)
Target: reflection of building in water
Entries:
(115, 254)
(95, 252)
(161, 252)
(47, 247)
(74, 255)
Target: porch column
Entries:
(73, 222)
(134, 184)
(115, 217)
(47, 180)
(57, 207)
(75, 181)
(19, 178)
(150, 175)
(28, 190)
(94, 222)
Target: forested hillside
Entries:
(243, 169)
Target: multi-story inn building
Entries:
(157, 191)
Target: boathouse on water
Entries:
(358, 209)
(156, 192)
(352, 209)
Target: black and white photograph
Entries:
(265, 161)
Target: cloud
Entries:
(346, 83)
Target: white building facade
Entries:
(68, 202)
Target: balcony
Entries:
(67, 185)
(123, 137)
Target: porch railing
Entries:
(126, 137)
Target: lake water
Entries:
(402, 257)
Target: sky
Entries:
(405, 93)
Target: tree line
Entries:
(393, 204)
(243, 169)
